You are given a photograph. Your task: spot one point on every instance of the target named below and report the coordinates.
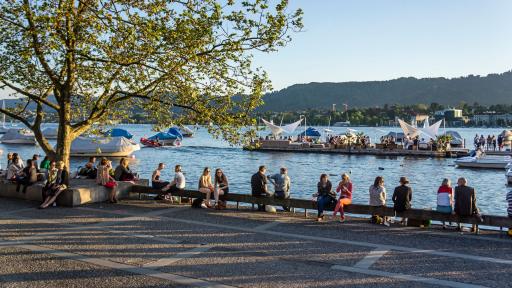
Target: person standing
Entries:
(259, 185)
(445, 198)
(345, 190)
(465, 202)
(282, 184)
(402, 197)
(324, 196)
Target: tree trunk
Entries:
(65, 135)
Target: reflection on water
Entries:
(425, 174)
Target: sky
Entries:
(363, 40)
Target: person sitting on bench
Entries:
(61, 184)
(325, 195)
(281, 183)
(259, 185)
(27, 177)
(465, 202)
(177, 184)
(156, 177)
(123, 172)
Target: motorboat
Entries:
(162, 139)
(508, 174)
(481, 160)
(186, 132)
(18, 136)
(103, 147)
(118, 132)
(50, 133)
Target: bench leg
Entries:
(306, 213)
(252, 206)
(237, 205)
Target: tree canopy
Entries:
(91, 60)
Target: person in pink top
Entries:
(345, 190)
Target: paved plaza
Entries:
(148, 244)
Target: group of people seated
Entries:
(459, 200)
(53, 173)
(218, 187)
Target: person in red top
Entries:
(445, 198)
(345, 190)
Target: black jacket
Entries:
(465, 201)
(30, 174)
(258, 184)
(325, 191)
(63, 179)
(402, 197)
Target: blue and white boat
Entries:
(169, 138)
(118, 132)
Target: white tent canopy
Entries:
(431, 131)
(277, 130)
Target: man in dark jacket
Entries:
(259, 185)
(402, 197)
(465, 201)
(28, 177)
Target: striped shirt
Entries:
(509, 200)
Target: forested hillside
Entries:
(486, 90)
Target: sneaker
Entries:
(204, 206)
(54, 204)
(386, 223)
(342, 219)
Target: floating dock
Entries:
(397, 150)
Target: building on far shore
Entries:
(491, 118)
(452, 116)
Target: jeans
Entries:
(282, 195)
(322, 201)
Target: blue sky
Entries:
(359, 40)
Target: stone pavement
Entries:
(148, 244)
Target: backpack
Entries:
(376, 219)
(197, 203)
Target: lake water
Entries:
(200, 151)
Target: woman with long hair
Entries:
(345, 190)
(205, 185)
(221, 187)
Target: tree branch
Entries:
(31, 96)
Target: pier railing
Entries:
(416, 214)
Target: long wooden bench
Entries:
(417, 214)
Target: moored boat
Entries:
(50, 133)
(18, 136)
(118, 132)
(103, 147)
(186, 132)
(162, 139)
(484, 161)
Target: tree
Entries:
(93, 60)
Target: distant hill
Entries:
(486, 90)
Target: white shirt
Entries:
(179, 179)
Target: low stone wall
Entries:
(81, 191)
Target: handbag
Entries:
(110, 184)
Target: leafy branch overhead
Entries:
(178, 60)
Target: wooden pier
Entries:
(397, 150)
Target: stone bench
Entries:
(81, 191)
